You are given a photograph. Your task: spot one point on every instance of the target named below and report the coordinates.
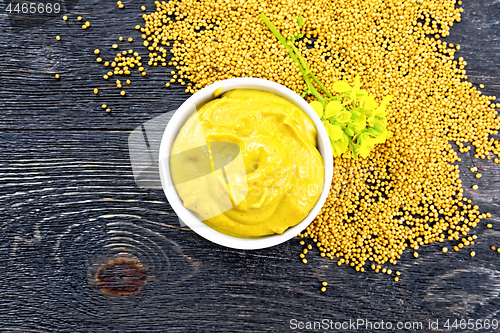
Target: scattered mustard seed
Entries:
(304, 261)
(478, 175)
(58, 37)
(415, 254)
(79, 18)
(445, 249)
(475, 187)
(104, 106)
(493, 248)
(97, 51)
(87, 24)
(396, 279)
(323, 289)
(489, 225)
(143, 8)
(57, 76)
(98, 60)
(137, 27)
(65, 18)
(324, 283)
(398, 273)
(120, 38)
(115, 46)
(128, 81)
(108, 110)
(472, 254)
(84, 27)
(96, 91)
(473, 169)
(481, 86)
(167, 84)
(498, 250)
(130, 39)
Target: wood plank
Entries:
(33, 99)
(69, 202)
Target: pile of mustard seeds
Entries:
(407, 193)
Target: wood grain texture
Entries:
(68, 203)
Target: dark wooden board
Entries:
(68, 201)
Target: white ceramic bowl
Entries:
(181, 116)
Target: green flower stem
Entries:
(308, 71)
(299, 60)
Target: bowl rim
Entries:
(180, 117)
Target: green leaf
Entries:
(332, 108)
(318, 108)
(300, 21)
(296, 37)
(334, 131)
(341, 86)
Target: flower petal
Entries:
(341, 86)
(332, 108)
(318, 107)
(334, 132)
(343, 117)
(370, 103)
